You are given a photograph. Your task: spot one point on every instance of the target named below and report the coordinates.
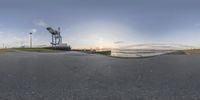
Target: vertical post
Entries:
(52, 40)
(30, 39)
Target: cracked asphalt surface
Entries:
(79, 76)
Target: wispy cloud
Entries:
(41, 23)
(33, 30)
(118, 42)
(157, 46)
(9, 39)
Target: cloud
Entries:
(170, 46)
(33, 30)
(118, 42)
(41, 23)
(13, 40)
(18, 39)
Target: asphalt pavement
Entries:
(80, 76)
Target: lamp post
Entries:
(30, 39)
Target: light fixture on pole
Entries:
(30, 39)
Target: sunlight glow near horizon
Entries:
(100, 34)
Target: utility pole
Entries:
(30, 39)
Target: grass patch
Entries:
(35, 49)
(192, 51)
(178, 52)
(6, 50)
(186, 52)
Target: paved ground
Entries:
(78, 76)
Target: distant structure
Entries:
(56, 37)
(30, 39)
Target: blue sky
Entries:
(101, 23)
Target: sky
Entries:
(101, 23)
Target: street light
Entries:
(30, 39)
